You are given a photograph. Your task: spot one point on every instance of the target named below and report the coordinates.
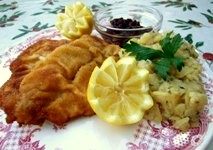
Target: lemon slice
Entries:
(76, 21)
(118, 91)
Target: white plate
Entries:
(91, 133)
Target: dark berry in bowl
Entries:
(125, 23)
(121, 23)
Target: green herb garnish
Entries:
(163, 60)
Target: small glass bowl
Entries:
(150, 19)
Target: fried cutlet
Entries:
(20, 67)
(54, 88)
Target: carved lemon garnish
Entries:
(118, 91)
(76, 21)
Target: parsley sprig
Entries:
(164, 59)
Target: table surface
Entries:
(21, 19)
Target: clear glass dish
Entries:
(150, 19)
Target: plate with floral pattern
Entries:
(91, 133)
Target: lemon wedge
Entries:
(76, 21)
(118, 92)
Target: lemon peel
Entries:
(118, 92)
(76, 21)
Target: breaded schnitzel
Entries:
(54, 87)
(20, 67)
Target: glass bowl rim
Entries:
(154, 10)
